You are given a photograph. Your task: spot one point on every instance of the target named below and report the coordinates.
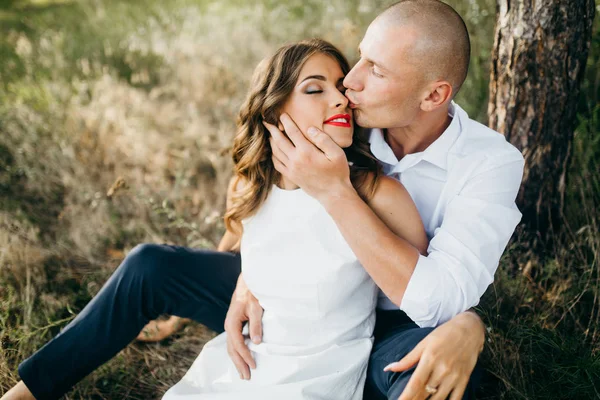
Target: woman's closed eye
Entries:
(342, 90)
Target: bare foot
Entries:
(18, 392)
(157, 330)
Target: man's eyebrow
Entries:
(370, 61)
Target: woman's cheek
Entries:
(299, 117)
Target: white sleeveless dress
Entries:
(319, 311)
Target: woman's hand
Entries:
(446, 358)
(244, 307)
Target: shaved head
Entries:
(440, 41)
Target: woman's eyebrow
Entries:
(319, 77)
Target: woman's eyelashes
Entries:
(342, 90)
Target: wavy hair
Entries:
(272, 83)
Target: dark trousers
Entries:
(197, 284)
(395, 336)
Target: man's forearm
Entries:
(389, 259)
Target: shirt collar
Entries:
(436, 153)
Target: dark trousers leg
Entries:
(152, 280)
(395, 336)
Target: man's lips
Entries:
(342, 120)
(351, 103)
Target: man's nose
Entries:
(352, 81)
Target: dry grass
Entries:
(113, 120)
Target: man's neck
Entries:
(418, 136)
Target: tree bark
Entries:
(538, 62)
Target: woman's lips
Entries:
(342, 120)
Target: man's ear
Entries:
(440, 93)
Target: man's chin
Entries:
(361, 121)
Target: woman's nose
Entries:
(341, 101)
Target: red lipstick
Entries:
(342, 120)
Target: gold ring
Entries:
(430, 390)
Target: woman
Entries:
(318, 301)
(198, 284)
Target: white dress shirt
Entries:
(464, 185)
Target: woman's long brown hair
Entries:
(272, 83)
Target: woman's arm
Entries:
(244, 307)
(230, 240)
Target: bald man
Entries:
(462, 176)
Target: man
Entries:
(462, 176)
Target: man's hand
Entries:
(446, 358)
(312, 161)
(244, 307)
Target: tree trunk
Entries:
(538, 61)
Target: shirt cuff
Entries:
(421, 300)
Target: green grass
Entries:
(148, 91)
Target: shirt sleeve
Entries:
(464, 252)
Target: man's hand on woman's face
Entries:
(312, 161)
(244, 307)
(446, 358)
